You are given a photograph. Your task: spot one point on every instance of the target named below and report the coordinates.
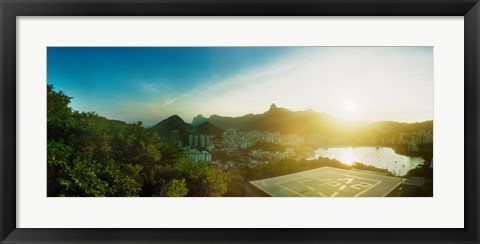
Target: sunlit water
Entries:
(380, 157)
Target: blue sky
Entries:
(149, 84)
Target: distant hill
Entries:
(404, 127)
(208, 129)
(285, 121)
(165, 128)
(199, 119)
(276, 120)
(230, 122)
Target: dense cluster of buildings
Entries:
(270, 156)
(235, 142)
(234, 139)
(199, 141)
(197, 148)
(422, 137)
(197, 156)
(413, 140)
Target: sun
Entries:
(348, 110)
(349, 106)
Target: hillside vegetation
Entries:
(89, 155)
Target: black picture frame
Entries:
(10, 9)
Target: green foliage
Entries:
(81, 152)
(58, 156)
(59, 115)
(58, 153)
(217, 182)
(89, 155)
(124, 179)
(174, 188)
(87, 177)
(423, 170)
(236, 187)
(358, 165)
(426, 190)
(81, 179)
(201, 179)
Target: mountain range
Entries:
(165, 127)
(286, 121)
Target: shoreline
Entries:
(396, 148)
(359, 165)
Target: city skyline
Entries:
(150, 84)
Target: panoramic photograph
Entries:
(240, 121)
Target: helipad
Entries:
(328, 182)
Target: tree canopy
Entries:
(90, 155)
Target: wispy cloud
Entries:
(384, 84)
(151, 87)
(379, 82)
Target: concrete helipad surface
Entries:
(328, 182)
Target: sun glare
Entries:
(348, 111)
(348, 157)
(349, 106)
